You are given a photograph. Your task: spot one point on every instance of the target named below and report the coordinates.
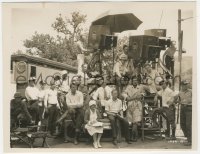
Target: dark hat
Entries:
(17, 95)
(185, 82)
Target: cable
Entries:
(187, 18)
(160, 18)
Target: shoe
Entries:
(134, 140)
(187, 144)
(56, 134)
(66, 141)
(167, 138)
(75, 141)
(50, 136)
(95, 145)
(99, 145)
(129, 142)
(115, 142)
(173, 138)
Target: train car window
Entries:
(33, 71)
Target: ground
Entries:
(146, 144)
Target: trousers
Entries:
(186, 121)
(115, 122)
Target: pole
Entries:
(179, 45)
(179, 55)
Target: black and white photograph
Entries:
(99, 75)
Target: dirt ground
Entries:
(146, 144)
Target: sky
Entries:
(27, 19)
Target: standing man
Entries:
(32, 95)
(63, 90)
(167, 110)
(186, 111)
(168, 57)
(42, 93)
(51, 107)
(74, 100)
(115, 115)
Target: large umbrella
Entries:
(118, 22)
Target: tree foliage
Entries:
(61, 48)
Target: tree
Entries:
(71, 28)
(61, 48)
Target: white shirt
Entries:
(42, 93)
(32, 93)
(167, 95)
(121, 69)
(74, 101)
(65, 86)
(51, 97)
(99, 94)
(114, 106)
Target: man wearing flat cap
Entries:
(120, 68)
(185, 99)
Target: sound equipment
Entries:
(138, 46)
(153, 52)
(21, 72)
(108, 41)
(95, 33)
(156, 32)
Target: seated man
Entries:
(115, 115)
(168, 108)
(19, 111)
(74, 100)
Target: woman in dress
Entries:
(93, 126)
(133, 94)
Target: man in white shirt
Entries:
(32, 95)
(168, 108)
(115, 115)
(63, 90)
(74, 101)
(51, 107)
(42, 93)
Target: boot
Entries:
(76, 138)
(167, 135)
(67, 138)
(173, 134)
(134, 137)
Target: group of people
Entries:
(122, 105)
